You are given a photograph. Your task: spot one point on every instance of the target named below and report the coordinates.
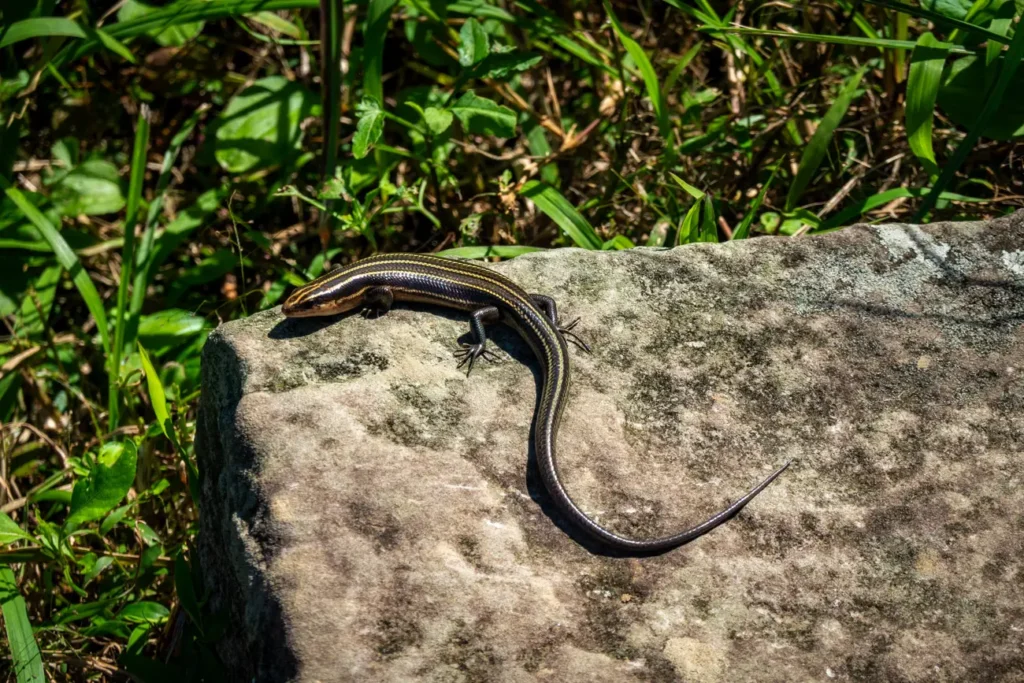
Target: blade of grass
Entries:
(175, 14)
(993, 99)
(688, 229)
(681, 64)
(378, 16)
(816, 149)
(554, 204)
(859, 208)
(278, 23)
(576, 50)
(743, 229)
(66, 257)
(690, 189)
(708, 225)
(26, 660)
(113, 44)
(158, 399)
(138, 173)
(480, 11)
(646, 69)
(712, 21)
(940, 19)
(48, 27)
(186, 591)
(879, 43)
(143, 273)
(926, 64)
(332, 19)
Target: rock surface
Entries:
(368, 512)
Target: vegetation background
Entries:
(168, 166)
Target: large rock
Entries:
(368, 512)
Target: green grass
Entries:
(166, 168)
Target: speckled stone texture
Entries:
(369, 513)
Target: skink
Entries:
(375, 283)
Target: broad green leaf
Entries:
(40, 27)
(145, 612)
(982, 12)
(646, 69)
(107, 483)
(474, 43)
(26, 661)
(10, 531)
(816, 149)
(65, 256)
(171, 33)
(964, 95)
(481, 252)
(554, 204)
(482, 116)
(926, 64)
(951, 8)
(437, 120)
(93, 189)
(169, 327)
(369, 127)
(260, 127)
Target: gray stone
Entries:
(368, 512)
